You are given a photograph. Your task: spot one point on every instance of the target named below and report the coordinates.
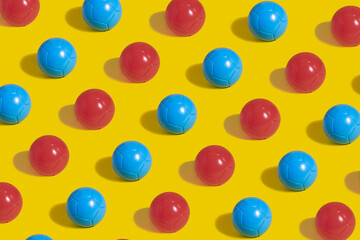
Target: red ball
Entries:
(94, 109)
(185, 17)
(335, 221)
(260, 119)
(48, 155)
(10, 202)
(214, 165)
(169, 212)
(139, 62)
(19, 12)
(345, 26)
(305, 72)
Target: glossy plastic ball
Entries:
(176, 114)
(342, 124)
(169, 212)
(305, 72)
(56, 57)
(139, 62)
(267, 21)
(345, 26)
(10, 202)
(335, 221)
(102, 15)
(131, 160)
(15, 104)
(297, 170)
(222, 67)
(214, 165)
(260, 119)
(86, 207)
(94, 109)
(48, 155)
(185, 17)
(19, 12)
(39, 237)
(251, 217)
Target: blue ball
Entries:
(56, 57)
(86, 207)
(176, 114)
(251, 217)
(297, 170)
(39, 237)
(342, 124)
(102, 15)
(131, 160)
(15, 104)
(267, 21)
(222, 67)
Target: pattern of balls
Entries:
(15, 104)
(222, 67)
(177, 114)
(252, 217)
(342, 124)
(131, 160)
(297, 170)
(56, 57)
(267, 21)
(86, 207)
(102, 15)
(39, 237)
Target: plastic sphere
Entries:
(56, 57)
(335, 221)
(19, 12)
(345, 26)
(267, 21)
(139, 62)
(260, 119)
(297, 170)
(251, 217)
(176, 114)
(86, 207)
(94, 109)
(102, 15)
(10, 202)
(305, 72)
(15, 104)
(185, 17)
(169, 212)
(131, 160)
(214, 165)
(39, 237)
(222, 67)
(342, 124)
(48, 155)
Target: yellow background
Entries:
(218, 121)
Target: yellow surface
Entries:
(217, 123)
